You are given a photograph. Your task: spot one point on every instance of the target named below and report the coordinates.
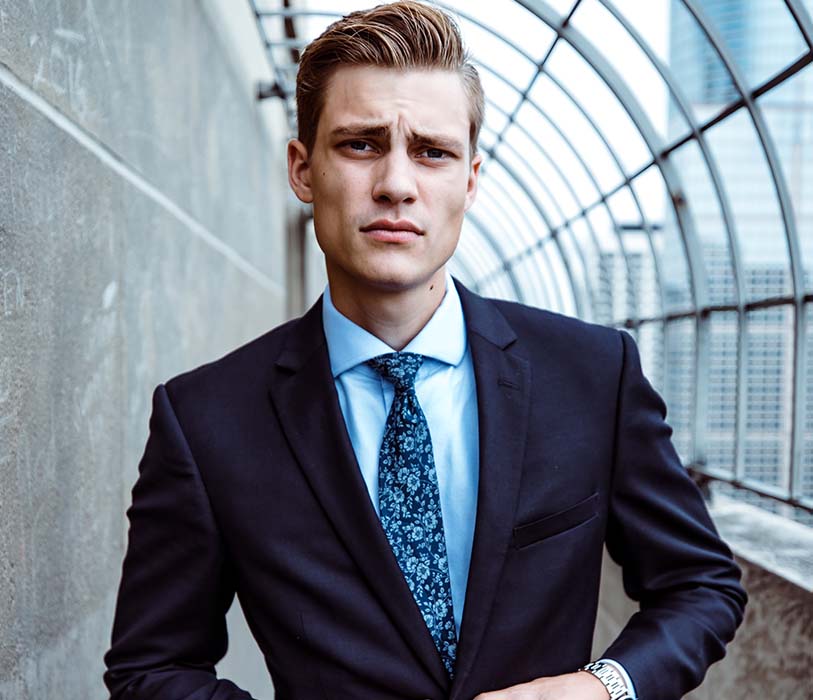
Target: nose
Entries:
(395, 179)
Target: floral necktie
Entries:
(409, 502)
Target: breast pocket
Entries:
(556, 523)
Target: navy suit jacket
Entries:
(249, 484)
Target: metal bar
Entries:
(457, 261)
(513, 174)
(295, 12)
(590, 292)
(800, 14)
(792, 238)
(471, 248)
(567, 184)
(751, 485)
(768, 303)
(685, 108)
(521, 184)
(524, 98)
(501, 221)
(287, 42)
(689, 237)
(492, 242)
(580, 160)
(524, 217)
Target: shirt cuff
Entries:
(618, 667)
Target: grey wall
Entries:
(138, 237)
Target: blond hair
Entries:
(402, 35)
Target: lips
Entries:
(392, 231)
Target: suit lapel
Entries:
(503, 384)
(304, 394)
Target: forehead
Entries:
(420, 100)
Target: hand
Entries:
(571, 686)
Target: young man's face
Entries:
(390, 176)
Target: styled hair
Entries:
(403, 35)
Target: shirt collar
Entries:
(443, 337)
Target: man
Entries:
(410, 487)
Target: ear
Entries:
(299, 171)
(471, 185)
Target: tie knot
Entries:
(399, 368)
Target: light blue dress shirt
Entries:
(446, 391)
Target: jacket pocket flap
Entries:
(555, 523)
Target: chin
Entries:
(397, 280)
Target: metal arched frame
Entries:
(661, 161)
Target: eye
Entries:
(434, 153)
(358, 146)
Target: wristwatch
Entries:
(611, 679)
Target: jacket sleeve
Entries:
(674, 563)
(170, 626)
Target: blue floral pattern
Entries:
(409, 502)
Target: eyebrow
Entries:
(361, 130)
(376, 131)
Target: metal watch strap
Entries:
(611, 679)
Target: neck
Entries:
(393, 316)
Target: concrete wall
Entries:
(139, 237)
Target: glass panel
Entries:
(668, 241)
(579, 132)
(806, 476)
(768, 387)
(459, 269)
(531, 179)
(642, 288)
(497, 89)
(583, 237)
(512, 20)
(539, 264)
(761, 37)
(487, 48)
(513, 227)
(574, 258)
(562, 154)
(754, 205)
(529, 276)
(559, 277)
(601, 104)
(629, 60)
(511, 197)
(651, 21)
(788, 111)
(610, 281)
(680, 383)
(498, 287)
(696, 66)
(563, 7)
(495, 119)
(721, 420)
(491, 227)
(472, 250)
(549, 170)
(650, 345)
(488, 137)
(704, 208)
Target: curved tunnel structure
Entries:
(650, 168)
